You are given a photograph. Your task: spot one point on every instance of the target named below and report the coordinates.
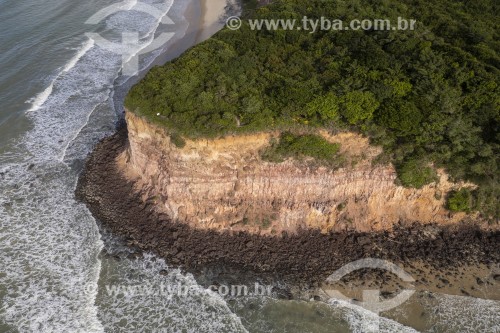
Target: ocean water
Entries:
(60, 92)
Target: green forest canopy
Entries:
(428, 95)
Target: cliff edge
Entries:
(224, 184)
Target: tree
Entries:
(400, 115)
(358, 106)
(325, 107)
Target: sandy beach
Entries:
(211, 18)
(205, 18)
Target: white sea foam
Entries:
(75, 135)
(41, 98)
(463, 314)
(198, 311)
(129, 4)
(150, 36)
(48, 242)
(364, 321)
(85, 47)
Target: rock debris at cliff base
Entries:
(307, 256)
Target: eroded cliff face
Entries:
(223, 184)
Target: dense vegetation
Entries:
(302, 146)
(427, 96)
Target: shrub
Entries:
(177, 140)
(416, 174)
(300, 147)
(460, 201)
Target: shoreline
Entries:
(200, 20)
(210, 18)
(458, 260)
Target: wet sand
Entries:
(205, 18)
(211, 19)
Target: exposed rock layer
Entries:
(306, 256)
(223, 184)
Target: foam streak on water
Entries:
(41, 98)
(85, 47)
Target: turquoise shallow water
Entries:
(59, 94)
